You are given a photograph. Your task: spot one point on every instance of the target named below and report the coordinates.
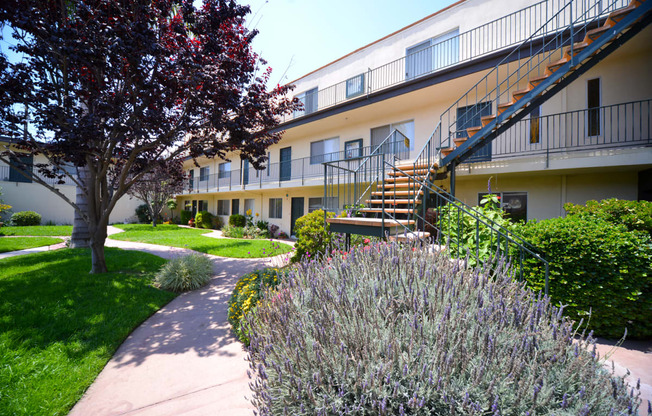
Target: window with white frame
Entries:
(249, 205)
(316, 203)
(202, 205)
(275, 207)
(397, 142)
(324, 150)
(355, 86)
(309, 101)
(224, 170)
(432, 54)
(204, 173)
(223, 206)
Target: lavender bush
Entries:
(385, 330)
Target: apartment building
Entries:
(547, 101)
(25, 195)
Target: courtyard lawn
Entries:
(59, 325)
(22, 243)
(192, 238)
(38, 230)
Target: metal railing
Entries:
(293, 172)
(617, 125)
(530, 59)
(349, 182)
(497, 35)
(6, 176)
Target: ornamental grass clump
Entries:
(185, 273)
(386, 330)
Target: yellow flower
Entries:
(249, 212)
(256, 214)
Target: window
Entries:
(513, 203)
(471, 116)
(235, 206)
(318, 203)
(28, 162)
(191, 179)
(222, 207)
(324, 150)
(355, 86)
(432, 54)
(187, 205)
(249, 204)
(203, 174)
(202, 205)
(353, 149)
(309, 101)
(224, 170)
(397, 143)
(275, 207)
(593, 103)
(534, 125)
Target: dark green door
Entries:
(285, 167)
(297, 212)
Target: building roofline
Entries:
(380, 40)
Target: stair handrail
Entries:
(480, 218)
(539, 33)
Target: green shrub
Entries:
(237, 220)
(599, 267)
(246, 295)
(25, 218)
(216, 222)
(386, 330)
(204, 219)
(251, 231)
(233, 232)
(463, 233)
(142, 212)
(313, 236)
(262, 225)
(185, 217)
(185, 273)
(635, 215)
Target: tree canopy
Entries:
(112, 86)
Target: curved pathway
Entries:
(183, 360)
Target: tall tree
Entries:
(158, 186)
(113, 86)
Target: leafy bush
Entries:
(262, 225)
(216, 222)
(273, 229)
(142, 212)
(596, 266)
(204, 219)
(185, 217)
(385, 330)
(246, 295)
(313, 236)
(234, 232)
(237, 220)
(251, 231)
(460, 233)
(185, 273)
(24, 218)
(635, 215)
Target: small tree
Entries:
(156, 187)
(3, 207)
(109, 88)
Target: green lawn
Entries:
(171, 235)
(21, 243)
(59, 325)
(40, 230)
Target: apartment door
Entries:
(470, 116)
(418, 60)
(235, 206)
(297, 212)
(285, 165)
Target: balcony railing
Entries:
(294, 172)
(497, 35)
(619, 125)
(6, 175)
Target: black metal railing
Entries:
(491, 37)
(528, 60)
(349, 182)
(617, 125)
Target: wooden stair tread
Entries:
(459, 141)
(406, 184)
(593, 34)
(402, 179)
(405, 172)
(412, 166)
(391, 194)
(393, 201)
(557, 64)
(487, 119)
(447, 151)
(471, 131)
(370, 222)
(392, 210)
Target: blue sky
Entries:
(299, 36)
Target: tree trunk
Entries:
(97, 251)
(81, 236)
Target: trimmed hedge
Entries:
(185, 217)
(142, 212)
(204, 219)
(237, 220)
(313, 235)
(597, 267)
(635, 215)
(25, 218)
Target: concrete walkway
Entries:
(184, 360)
(34, 249)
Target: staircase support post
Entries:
(452, 170)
